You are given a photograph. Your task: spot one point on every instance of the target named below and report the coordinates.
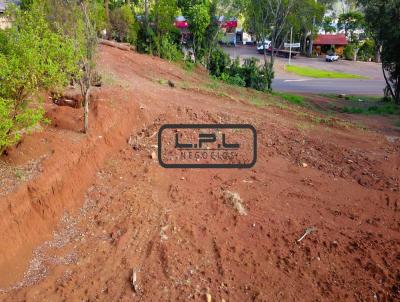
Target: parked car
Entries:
(332, 57)
(261, 46)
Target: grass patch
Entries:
(109, 78)
(319, 73)
(20, 174)
(353, 98)
(257, 102)
(183, 85)
(397, 124)
(385, 109)
(304, 126)
(213, 85)
(189, 66)
(291, 98)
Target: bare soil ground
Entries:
(100, 220)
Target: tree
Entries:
(231, 8)
(164, 14)
(107, 9)
(78, 21)
(351, 22)
(199, 20)
(212, 33)
(86, 53)
(122, 24)
(269, 19)
(382, 18)
(327, 25)
(306, 17)
(33, 58)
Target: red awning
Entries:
(229, 24)
(339, 39)
(181, 24)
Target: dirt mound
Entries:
(350, 162)
(179, 234)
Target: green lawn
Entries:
(319, 73)
(378, 109)
(291, 98)
(353, 98)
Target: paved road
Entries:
(285, 81)
(357, 87)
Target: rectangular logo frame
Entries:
(207, 126)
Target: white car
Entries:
(332, 57)
(261, 46)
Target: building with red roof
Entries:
(331, 42)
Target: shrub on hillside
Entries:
(219, 62)
(253, 75)
(247, 75)
(169, 50)
(367, 50)
(32, 59)
(348, 52)
(123, 27)
(233, 80)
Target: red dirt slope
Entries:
(174, 230)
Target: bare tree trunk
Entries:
(157, 29)
(265, 56)
(146, 11)
(355, 54)
(211, 47)
(86, 111)
(146, 25)
(107, 8)
(378, 54)
(271, 62)
(389, 87)
(310, 47)
(194, 50)
(305, 42)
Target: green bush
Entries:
(348, 52)
(253, 75)
(189, 65)
(218, 62)
(269, 75)
(235, 67)
(14, 124)
(6, 124)
(233, 80)
(123, 27)
(169, 50)
(367, 50)
(32, 59)
(247, 75)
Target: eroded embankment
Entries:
(31, 211)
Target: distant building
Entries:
(325, 43)
(229, 30)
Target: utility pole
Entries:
(290, 46)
